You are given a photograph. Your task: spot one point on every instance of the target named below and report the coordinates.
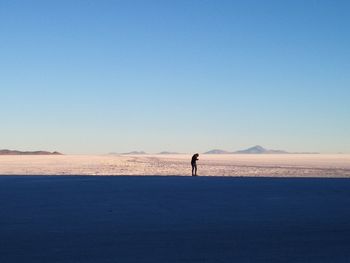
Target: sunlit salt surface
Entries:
(284, 165)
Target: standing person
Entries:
(194, 164)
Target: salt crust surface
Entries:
(283, 165)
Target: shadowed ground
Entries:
(173, 219)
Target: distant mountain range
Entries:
(259, 150)
(14, 152)
(252, 150)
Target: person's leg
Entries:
(195, 169)
(192, 169)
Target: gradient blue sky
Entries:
(188, 76)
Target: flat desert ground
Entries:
(270, 165)
(248, 209)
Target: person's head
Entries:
(197, 154)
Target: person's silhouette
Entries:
(194, 164)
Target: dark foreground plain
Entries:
(173, 219)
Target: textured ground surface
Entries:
(173, 219)
(290, 165)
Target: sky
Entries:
(93, 77)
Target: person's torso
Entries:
(194, 159)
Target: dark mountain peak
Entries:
(258, 148)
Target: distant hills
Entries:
(14, 152)
(252, 150)
(259, 150)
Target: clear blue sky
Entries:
(188, 76)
